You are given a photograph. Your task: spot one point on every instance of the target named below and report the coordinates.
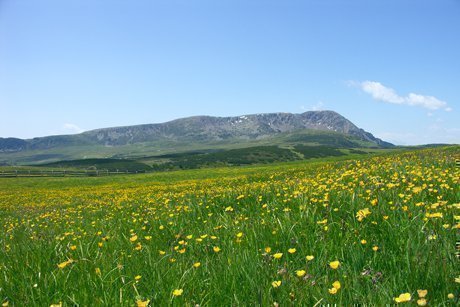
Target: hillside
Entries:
(192, 133)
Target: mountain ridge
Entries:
(196, 130)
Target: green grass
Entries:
(100, 164)
(309, 206)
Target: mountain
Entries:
(191, 133)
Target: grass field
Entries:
(375, 230)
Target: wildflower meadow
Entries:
(375, 230)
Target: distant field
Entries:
(370, 230)
(254, 155)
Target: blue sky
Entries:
(391, 67)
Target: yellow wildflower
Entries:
(292, 250)
(322, 222)
(422, 293)
(310, 258)
(64, 264)
(140, 303)
(421, 302)
(337, 285)
(405, 297)
(361, 214)
(333, 290)
(277, 255)
(334, 264)
(434, 215)
(300, 273)
(276, 283)
(178, 292)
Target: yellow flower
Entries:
(178, 292)
(334, 264)
(457, 279)
(239, 235)
(292, 250)
(375, 248)
(405, 297)
(276, 283)
(277, 255)
(300, 273)
(361, 214)
(97, 271)
(64, 264)
(450, 296)
(138, 277)
(197, 264)
(421, 302)
(133, 238)
(310, 258)
(140, 303)
(434, 215)
(148, 238)
(268, 249)
(333, 290)
(73, 247)
(337, 285)
(5, 304)
(363, 241)
(422, 293)
(216, 249)
(161, 252)
(55, 305)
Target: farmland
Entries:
(376, 230)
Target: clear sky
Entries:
(391, 67)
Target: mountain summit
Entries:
(246, 127)
(188, 134)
